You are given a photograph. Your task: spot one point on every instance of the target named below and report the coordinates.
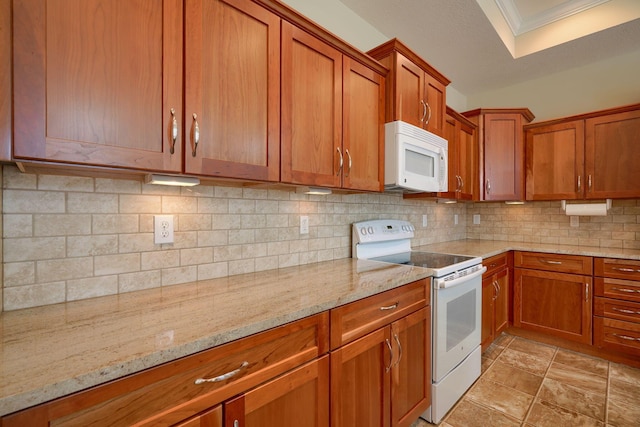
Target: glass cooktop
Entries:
(424, 259)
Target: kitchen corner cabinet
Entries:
(277, 374)
(416, 92)
(591, 156)
(616, 318)
(332, 116)
(463, 156)
(501, 152)
(381, 359)
(495, 298)
(553, 294)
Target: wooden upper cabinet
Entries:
(501, 151)
(555, 161)
(6, 113)
(363, 124)
(95, 82)
(232, 86)
(612, 150)
(416, 92)
(311, 147)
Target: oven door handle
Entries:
(442, 284)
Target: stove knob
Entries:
(363, 231)
(370, 230)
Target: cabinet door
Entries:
(298, 398)
(503, 157)
(451, 134)
(555, 162)
(211, 418)
(554, 303)
(360, 381)
(363, 121)
(232, 63)
(311, 147)
(501, 306)
(487, 330)
(411, 372)
(409, 96)
(436, 104)
(467, 153)
(95, 82)
(612, 153)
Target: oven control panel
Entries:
(382, 230)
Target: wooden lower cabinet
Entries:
(495, 299)
(211, 418)
(557, 304)
(384, 378)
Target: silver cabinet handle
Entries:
(579, 183)
(458, 181)
(586, 291)
(624, 310)
(195, 134)
(429, 116)
(626, 337)
(495, 288)
(424, 110)
(174, 131)
(350, 162)
(236, 423)
(341, 161)
(389, 307)
(626, 270)
(589, 183)
(223, 376)
(388, 368)
(629, 291)
(488, 186)
(395, 336)
(548, 261)
(461, 183)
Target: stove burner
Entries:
(423, 259)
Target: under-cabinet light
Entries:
(179, 181)
(447, 201)
(313, 190)
(514, 202)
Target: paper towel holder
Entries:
(563, 205)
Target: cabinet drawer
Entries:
(617, 268)
(617, 335)
(354, 320)
(554, 262)
(496, 263)
(616, 288)
(169, 392)
(616, 309)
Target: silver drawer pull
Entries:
(629, 291)
(548, 261)
(223, 376)
(626, 337)
(388, 368)
(624, 310)
(389, 307)
(626, 270)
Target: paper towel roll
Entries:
(586, 209)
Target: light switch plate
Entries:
(304, 224)
(424, 220)
(476, 219)
(162, 229)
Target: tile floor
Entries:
(525, 383)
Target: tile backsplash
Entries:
(69, 238)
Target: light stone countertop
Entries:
(52, 351)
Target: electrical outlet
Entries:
(162, 229)
(304, 224)
(476, 219)
(424, 220)
(574, 221)
(455, 219)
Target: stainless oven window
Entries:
(461, 318)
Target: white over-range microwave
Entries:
(415, 159)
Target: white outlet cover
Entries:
(162, 229)
(424, 220)
(455, 219)
(476, 219)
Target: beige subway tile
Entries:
(32, 202)
(130, 282)
(288, 207)
(33, 249)
(253, 221)
(184, 240)
(308, 257)
(241, 206)
(17, 225)
(61, 225)
(227, 253)
(34, 295)
(178, 275)
(266, 263)
(278, 194)
(213, 238)
(139, 242)
(64, 269)
(241, 267)
(196, 256)
(254, 193)
(78, 246)
(14, 179)
(120, 186)
(65, 183)
(179, 205)
(278, 248)
(254, 250)
(239, 237)
(91, 287)
(194, 222)
(158, 260)
(213, 205)
(92, 203)
(325, 255)
(160, 190)
(19, 273)
(201, 190)
(277, 220)
(296, 246)
(213, 270)
(115, 224)
(228, 192)
(142, 204)
(267, 206)
(116, 264)
(288, 260)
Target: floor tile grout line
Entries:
(606, 397)
(535, 398)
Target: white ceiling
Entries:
(472, 43)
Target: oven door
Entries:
(456, 324)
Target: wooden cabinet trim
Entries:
(575, 264)
(615, 110)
